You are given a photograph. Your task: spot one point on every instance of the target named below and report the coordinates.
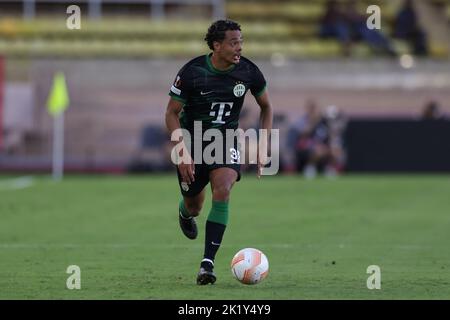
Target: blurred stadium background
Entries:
(121, 62)
(122, 230)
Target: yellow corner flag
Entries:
(58, 100)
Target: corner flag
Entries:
(58, 100)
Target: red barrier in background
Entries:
(2, 84)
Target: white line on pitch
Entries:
(17, 183)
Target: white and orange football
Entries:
(250, 266)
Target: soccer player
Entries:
(211, 89)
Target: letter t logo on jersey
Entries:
(221, 113)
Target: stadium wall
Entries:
(398, 145)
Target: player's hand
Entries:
(259, 170)
(187, 171)
(262, 160)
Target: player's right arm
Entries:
(174, 108)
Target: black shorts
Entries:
(231, 160)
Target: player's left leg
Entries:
(222, 180)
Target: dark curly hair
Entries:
(216, 32)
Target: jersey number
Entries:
(235, 156)
(221, 111)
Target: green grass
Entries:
(123, 233)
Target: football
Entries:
(250, 266)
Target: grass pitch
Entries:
(319, 236)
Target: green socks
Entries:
(215, 228)
(219, 212)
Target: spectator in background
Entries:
(333, 25)
(310, 136)
(406, 27)
(350, 26)
(432, 111)
(359, 31)
(318, 141)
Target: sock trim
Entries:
(183, 217)
(183, 211)
(208, 260)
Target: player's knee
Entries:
(194, 209)
(222, 193)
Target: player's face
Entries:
(230, 48)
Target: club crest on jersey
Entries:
(239, 90)
(184, 186)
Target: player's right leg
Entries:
(190, 208)
(192, 202)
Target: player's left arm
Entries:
(266, 114)
(266, 118)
